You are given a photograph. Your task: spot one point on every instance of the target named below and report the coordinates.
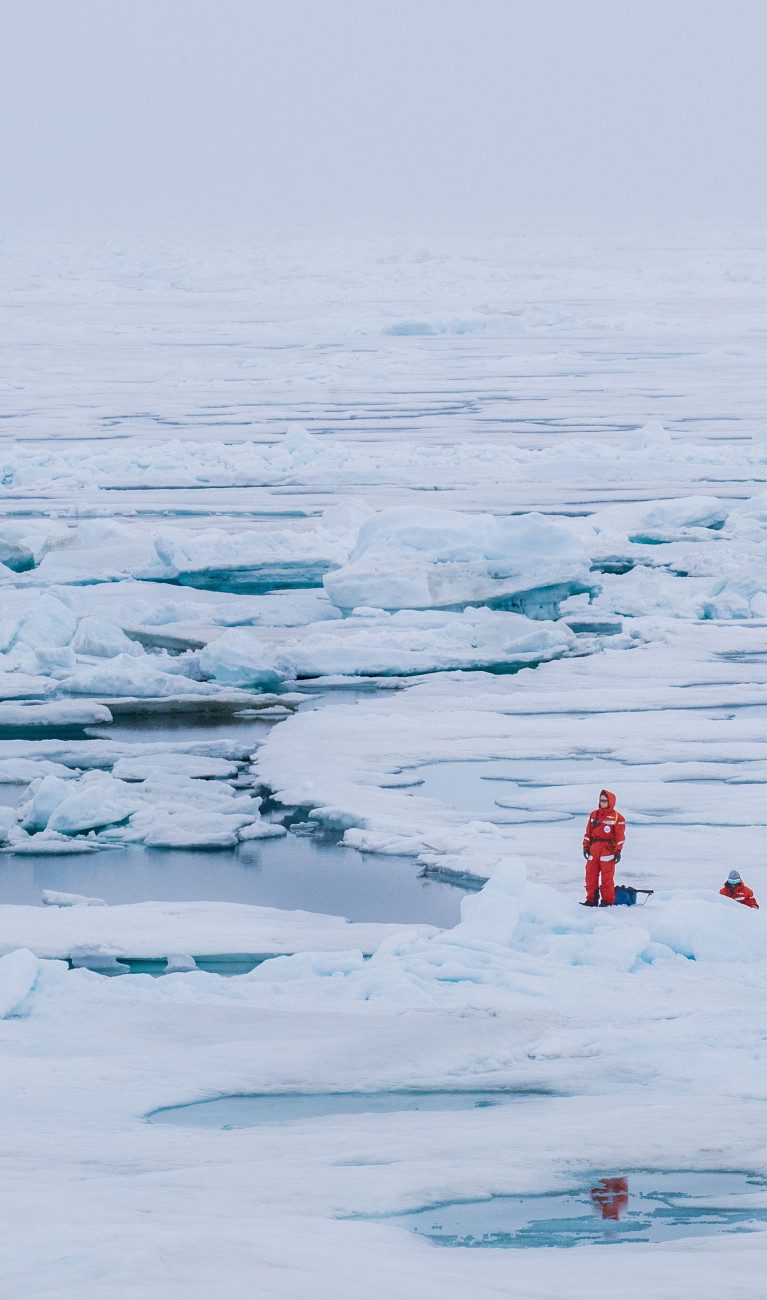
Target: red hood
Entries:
(610, 798)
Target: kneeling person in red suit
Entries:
(733, 887)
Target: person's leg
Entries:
(592, 877)
(608, 879)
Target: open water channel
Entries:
(296, 872)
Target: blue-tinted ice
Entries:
(643, 1206)
(244, 1111)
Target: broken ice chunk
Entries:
(93, 956)
(261, 830)
(100, 637)
(52, 898)
(178, 962)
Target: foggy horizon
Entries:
(437, 115)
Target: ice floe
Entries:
(157, 929)
(55, 898)
(157, 805)
(53, 714)
(373, 643)
(423, 559)
(252, 561)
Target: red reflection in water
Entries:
(612, 1196)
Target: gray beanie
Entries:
(734, 877)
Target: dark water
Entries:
(245, 1111)
(227, 964)
(245, 731)
(294, 872)
(643, 1206)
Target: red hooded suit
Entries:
(605, 834)
(740, 892)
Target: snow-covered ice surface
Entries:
(467, 532)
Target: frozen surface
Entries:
(374, 643)
(157, 929)
(210, 459)
(421, 559)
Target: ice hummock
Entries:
(159, 805)
(253, 561)
(441, 559)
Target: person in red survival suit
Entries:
(612, 1196)
(733, 887)
(602, 846)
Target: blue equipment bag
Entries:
(626, 895)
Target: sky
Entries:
(381, 114)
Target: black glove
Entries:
(585, 852)
(617, 857)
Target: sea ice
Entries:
(374, 643)
(46, 794)
(97, 636)
(261, 830)
(18, 972)
(252, 561)
(54, 898)
(160, 807)
(158, 929)
(98, 803)
(660, 521)
(509, 378)
(125, 675)
(54, 714)
(152, 765)
(422, 559)
(22, 686)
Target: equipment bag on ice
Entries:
(626, 895)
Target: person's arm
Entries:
(587, 838)
(620, 835)
(620, 831)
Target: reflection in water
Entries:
(663, 1205)
(611, 1195)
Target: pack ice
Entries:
(153, 574)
